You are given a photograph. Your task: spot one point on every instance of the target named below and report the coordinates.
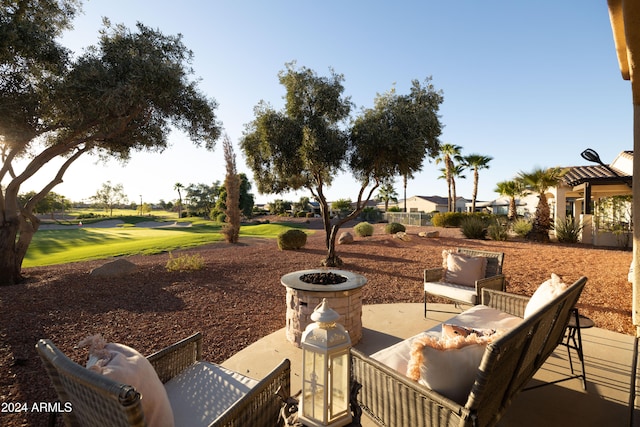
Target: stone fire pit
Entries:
(303, 297)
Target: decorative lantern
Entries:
(325, 371)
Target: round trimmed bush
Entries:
(292, 239)
(394, 227)
(363, 229)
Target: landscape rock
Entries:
(345, 238)
(433, 234)
(402, 236)
(118, 268)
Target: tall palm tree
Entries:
(539, 181)
(177, 186)
(455, 172)
(476, 162)
(511, 189)
(387, 194)
(449, 154)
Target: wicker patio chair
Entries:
(99, 401)
(391, 399)
(493, 279)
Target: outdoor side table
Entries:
(574, 341)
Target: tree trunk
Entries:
(405, 192)
(541, 222)
(332, 259)
(9, 265)
(512, 213)
(475, 190)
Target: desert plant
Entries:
(394, 227)
(474, 227)
(568, 230)
(521, 227)
(185, 262)
(363, 229)
(292, 239)
(497, 231)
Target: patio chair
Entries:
(465, 288)
(200, 393)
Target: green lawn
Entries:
(80, 244)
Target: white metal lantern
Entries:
(325, 371)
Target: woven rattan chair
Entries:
(461, 294)
(392, 399)
(98, 401)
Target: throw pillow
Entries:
(463, 269)
(448, 365)
(544, 294)
(453, 331)
(125, 365)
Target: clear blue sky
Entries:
(531, 84)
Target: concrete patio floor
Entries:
(608, 361)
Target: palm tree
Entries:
(448, 154)
(538, 181)
(177, 186)
(455, 172)
(476, 162)
(387, 194)
(511, 189)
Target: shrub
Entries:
(448, 219)
(497, 231)
(568, 230)
(521, 227)
(185, 263)
(222, 217)
(363, 229)
(474, 227)
(291, 239)
(394, 227)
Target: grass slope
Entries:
(80, 244)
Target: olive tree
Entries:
(124, 94)
(310, 141)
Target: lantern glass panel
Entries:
(339, 382)
(313, 385)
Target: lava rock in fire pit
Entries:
(323, 278)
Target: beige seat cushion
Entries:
(204, 391)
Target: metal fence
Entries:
(408, 218)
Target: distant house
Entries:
(525, 206)
(429, 204)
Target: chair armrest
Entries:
(174, 359)
(493, 282)
(261, 405)
(508, 303)
(433, 275)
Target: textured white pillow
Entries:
(463, 269)
(125, 365)
(544, 294)
(448, 366)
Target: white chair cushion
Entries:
(452, 291)
(204, 391)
